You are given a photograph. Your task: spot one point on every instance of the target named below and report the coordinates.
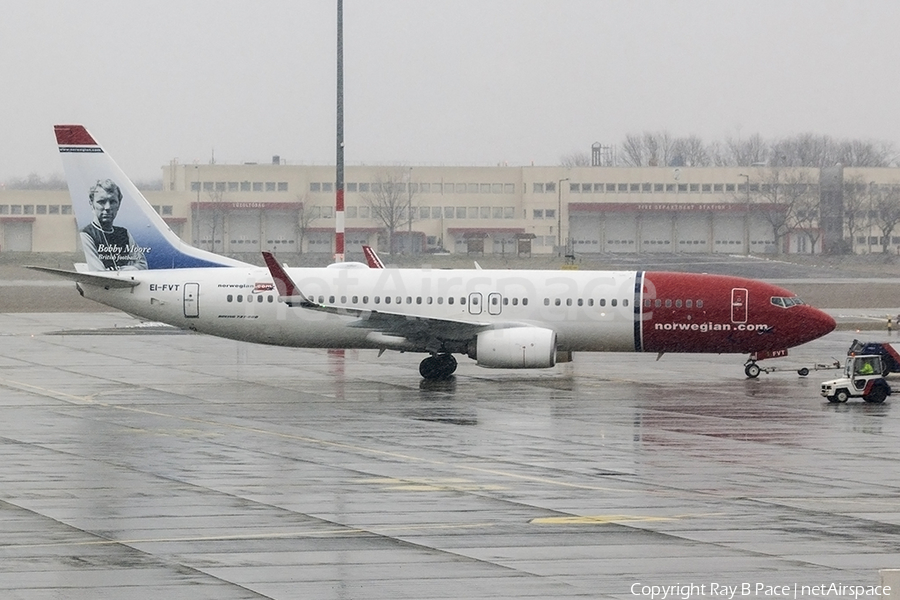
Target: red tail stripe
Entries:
(73, 135)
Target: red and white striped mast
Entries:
(339, 178)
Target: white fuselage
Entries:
(593, 311)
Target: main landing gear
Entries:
(751, 369)
(438, 366)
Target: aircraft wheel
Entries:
(841, 396)
(803, 372)
(752, 370)
(448, 365)
(429, 368)
(877, 395)
(441, 366)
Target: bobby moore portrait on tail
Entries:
(106, 246)
(499, 318)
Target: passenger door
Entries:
(739, 297)
(192, 300)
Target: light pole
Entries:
(409, 215)
(559, 216)
(197, 177)
(746, 217)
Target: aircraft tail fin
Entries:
(372, 258)
(120, 230)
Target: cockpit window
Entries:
(786, 302)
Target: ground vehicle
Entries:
(890, 358)
(862, 379)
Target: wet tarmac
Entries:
(153, 464)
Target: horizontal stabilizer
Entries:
(107, 281)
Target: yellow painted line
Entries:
(606, 519)
(597, 520)
(27, 387)
(254, 536)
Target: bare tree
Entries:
(650, 149)
(210, 216)
(779, 196)
(575, 159)
(690, 152)
(745, 152)
(801, 150)
(633, 151)
(305, 218)
(806, 219)
(390, 199)
(36, 182)
(886, 211)
(857, 200)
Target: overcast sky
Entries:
(470, 82)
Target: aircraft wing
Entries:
(392, 323)
(113, 280)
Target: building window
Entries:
(257, 186)
(327, 186)
(550, 187)
(538, 213)
(461, 212)
(245, 186)
(167, 209)
(473, 212)
(574, 188)
(315, 187)
(537, 188)
(195, 186)
(54, 209)
(509, 188)
(282, 186)
(41, 209)
(550, 213)
(634, 187)
(622, 188)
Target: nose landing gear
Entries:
(752, 370)
(439, 366)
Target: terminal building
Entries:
(247, 208)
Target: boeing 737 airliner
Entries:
(500, 318)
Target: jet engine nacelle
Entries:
(516, 348)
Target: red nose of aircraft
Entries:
(813, 324)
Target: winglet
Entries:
(372, 258)
(283, 282)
